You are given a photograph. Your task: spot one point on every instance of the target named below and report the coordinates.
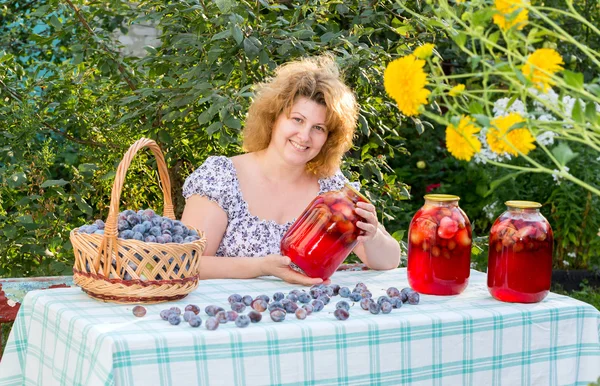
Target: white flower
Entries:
(546, 138)
(486, 154)
(490, 210)
(550, 97)
(555, 175)
(546, 118)
(566, 263)
(572, 254)
(500, 107)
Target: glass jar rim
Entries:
(441, 197)
(523, 204)
(359, 194)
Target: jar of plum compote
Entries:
(324, 234)
(520, 254)
(439, 247)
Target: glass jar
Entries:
(520, 254)
(325, 234)
(439, 247)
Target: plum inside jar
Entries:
(439, 247)
(325, 234)
(520, 254)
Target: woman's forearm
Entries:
(382, 252)
(217, 267)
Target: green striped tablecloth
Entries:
(63, 337)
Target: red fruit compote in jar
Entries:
(520, 254)
(439, 247)
(324, 234)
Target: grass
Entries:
(586, 293)
(5, 330)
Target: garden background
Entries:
(71, 103)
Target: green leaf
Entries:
(496, 183)
(364, 125)
(214, 127)
(399, 234)
(222, 35)
(25, 219)
(573, 79)
(237, 34)
(109, 176)
(460, 39)
(327, 37)
(475, 108)
(482, 119)
(53, 183)
(590, 112)
(232, 122)
(225, 5)
(563, 153)
(263, 57)
(164, 137)
(250, 48)
(55, 22)
(87, 168)
(10, 231)
(16, 180)
(41, 11)
(206, 116)
(577, 113)
(82, 205)
(593, 88)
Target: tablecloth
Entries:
(63, 337)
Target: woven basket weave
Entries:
(159, 272)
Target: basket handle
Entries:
(111, 228)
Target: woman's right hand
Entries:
(277, 265)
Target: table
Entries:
(61, 336)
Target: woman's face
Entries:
(299, 137)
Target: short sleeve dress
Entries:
(246, 235)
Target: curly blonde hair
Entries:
(317, 79)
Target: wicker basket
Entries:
(159, 272)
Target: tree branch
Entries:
(104, 47)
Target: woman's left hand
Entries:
(370, 224)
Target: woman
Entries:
(298, 127)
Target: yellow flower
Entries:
(456, 90)
(405, 81)
(503, 140)
(540, 67)
(424, 51)
(505, 16)
(461, 141)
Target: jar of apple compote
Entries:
(439, 247)
(324, 234)
(520, 254)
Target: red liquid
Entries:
(520, 260)
(439, 250)
(324, 235)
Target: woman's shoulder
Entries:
(214, 178)
(336, 182)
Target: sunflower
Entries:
(503, 140)
(424, 51)
(505, 16)
(456, 90)
(540, 67)
(461, 140)
(405, 81)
